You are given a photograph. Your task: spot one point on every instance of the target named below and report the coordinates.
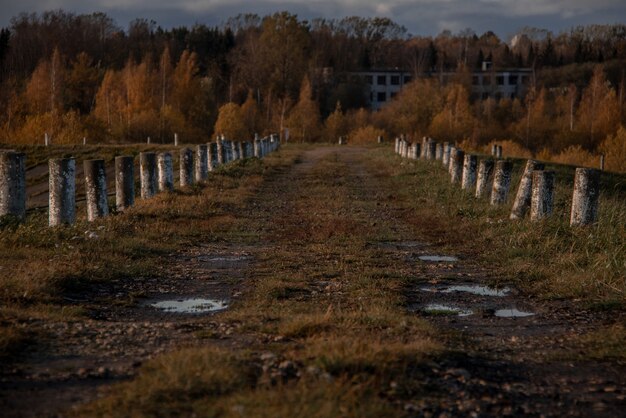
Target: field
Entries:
(356, 284)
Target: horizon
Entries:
(502, 17)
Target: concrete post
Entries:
(451, 156)
(186, 167)
(501, 182)
(379, 139)
(46, 139)
(257, 148)
(524, 191)
(424, 148)
(213, 156)
(240, 150)
(175, 140)
(124, 182)
(494, 147)
(432, 149)
(413, 151)
(445, 158)
(470, 164)
(202, 163)
(221, 152)
(148, 140)
(84, 140)
(601, 162)
(165, 165)
(12, 184)
(542, 195)
(485, 170)
(456, 163)
(585, 199)
(96, 189)
(62, 186)
(396, 148)
(234, 149)
(148, 174)
(439, 151)
(498, 151)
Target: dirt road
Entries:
(309, 240)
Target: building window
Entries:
(513, 80)
(395, 80)
(500, 80)
(381, 96)
(381, 80)
(369, 79)
(475, 80)
(487, 80)
(407, 79)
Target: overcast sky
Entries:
(421, 17)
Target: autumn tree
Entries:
(455, 121)
(336, 124)
(230, 122)
(598, 113)
(250, 112)
(304, 118)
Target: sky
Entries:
(420, 17)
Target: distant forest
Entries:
(81, 75)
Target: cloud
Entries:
(426, 17)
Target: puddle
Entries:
(196, 305)
(436, 308)
(438, 258)
(473, 289)
(512, 313)
(224, 258)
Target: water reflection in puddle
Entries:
(224, 258)
(436, 308)
(438, 258)
(196, 305)
(473, 289)
(512, 313)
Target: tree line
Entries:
(81, 75)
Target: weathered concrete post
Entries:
(165, 165)
(175, 139)
(451, 156)
(439, 151)
(501, 182)
(124, 182)
(379, 139)
(485, 170)
(148, 140)
(257, 147)
(445, 158)
(84, 140)
(247, 149)
(494, 148)
(432, 149)
(498, 151)
(405, 148)
(221, 152)
(234, 149)
(542, 195)
(213, 156)
(470, 164)
(601, 162)
(456, 162)
(12, 184)
(524, 191)
(202, 163)
(186, 167)
(96, 189)
(585, 198)
(413, 150)
(424, 148)
(148, 174)
(240, 150)
(46, 139)
(396, 148)
(62, 204)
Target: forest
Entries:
(74, 76)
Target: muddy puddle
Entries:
(438, 258)
(474, 289)
(512, 313)
(192, 305)
(442, 309)
(398, 245)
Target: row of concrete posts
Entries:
(491, 178)
(156, 172)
